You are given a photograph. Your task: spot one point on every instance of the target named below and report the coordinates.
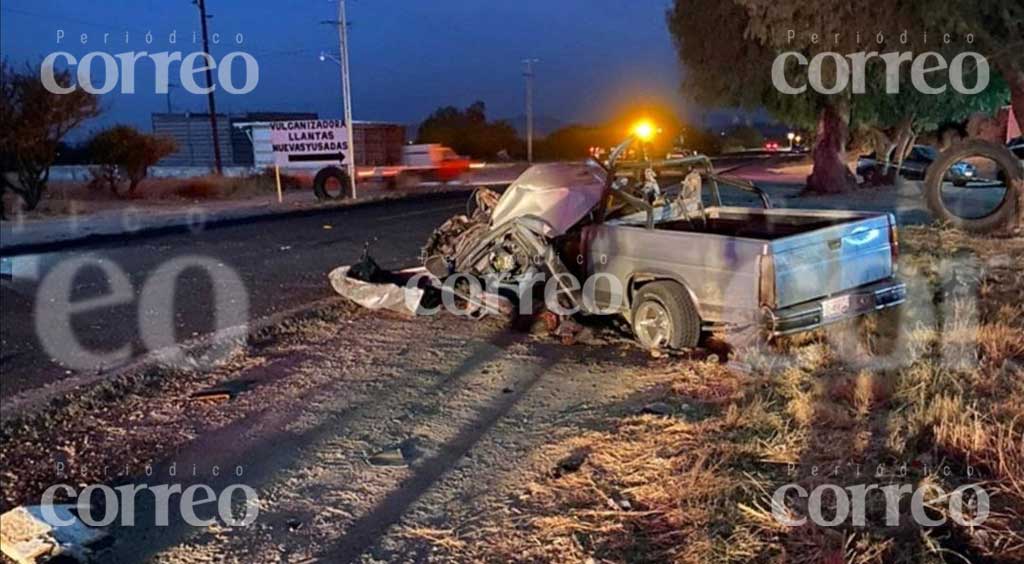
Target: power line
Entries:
(60, 18)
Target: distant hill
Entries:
(542, 125)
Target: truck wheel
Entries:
(331, 179)
(998, 217)
(664, 317)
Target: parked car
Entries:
(1017, 147)
(915, 167)
(670, 265)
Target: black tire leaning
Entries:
(1002, 215)
(682, 312)
(326, 174)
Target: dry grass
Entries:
(937, 391)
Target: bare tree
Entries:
(33, 121)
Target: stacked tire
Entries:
(1012, 172)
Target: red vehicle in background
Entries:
(428, 162)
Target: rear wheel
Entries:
(664, 316)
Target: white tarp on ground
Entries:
(28, 536)
(559, 193)
(376, 296)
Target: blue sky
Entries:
(408, 56)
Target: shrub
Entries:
(123, 153)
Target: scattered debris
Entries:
(389, 458)
(374, 295)
(572, 462)
(397, 456)
(659, 408)
(212, 396)
(26, 536)
(548, 320)
(225, 391)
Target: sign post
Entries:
(277, 178)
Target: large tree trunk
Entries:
(830, 174)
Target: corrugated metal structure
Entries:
(191, 131)
(378, 143)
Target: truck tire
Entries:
(664, 316)
(325, 175)
(1002, 215)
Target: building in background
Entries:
(191, 132)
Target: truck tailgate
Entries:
(831, 260)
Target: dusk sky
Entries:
(408, 56)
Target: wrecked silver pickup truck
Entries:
(669, 264)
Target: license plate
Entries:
(835, 307)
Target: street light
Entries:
(325, 56)
(645, 130)
(791, 136)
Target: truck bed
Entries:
(765, 225)
(812, 254)
(815, 253)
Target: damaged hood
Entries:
(559, 193)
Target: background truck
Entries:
(425, 162)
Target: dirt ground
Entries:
(371, 436)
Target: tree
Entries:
(33, 121)
(572, 142)
(707, 39)
(997, 27)
(898, 120)
(122, 152)
(725, 64)
(468, 132)
(743, 137)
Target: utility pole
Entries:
(209, 84)
(528, 73)
(170, 86)
(346, 94)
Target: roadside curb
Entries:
(185, 223)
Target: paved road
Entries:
(281, 264)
